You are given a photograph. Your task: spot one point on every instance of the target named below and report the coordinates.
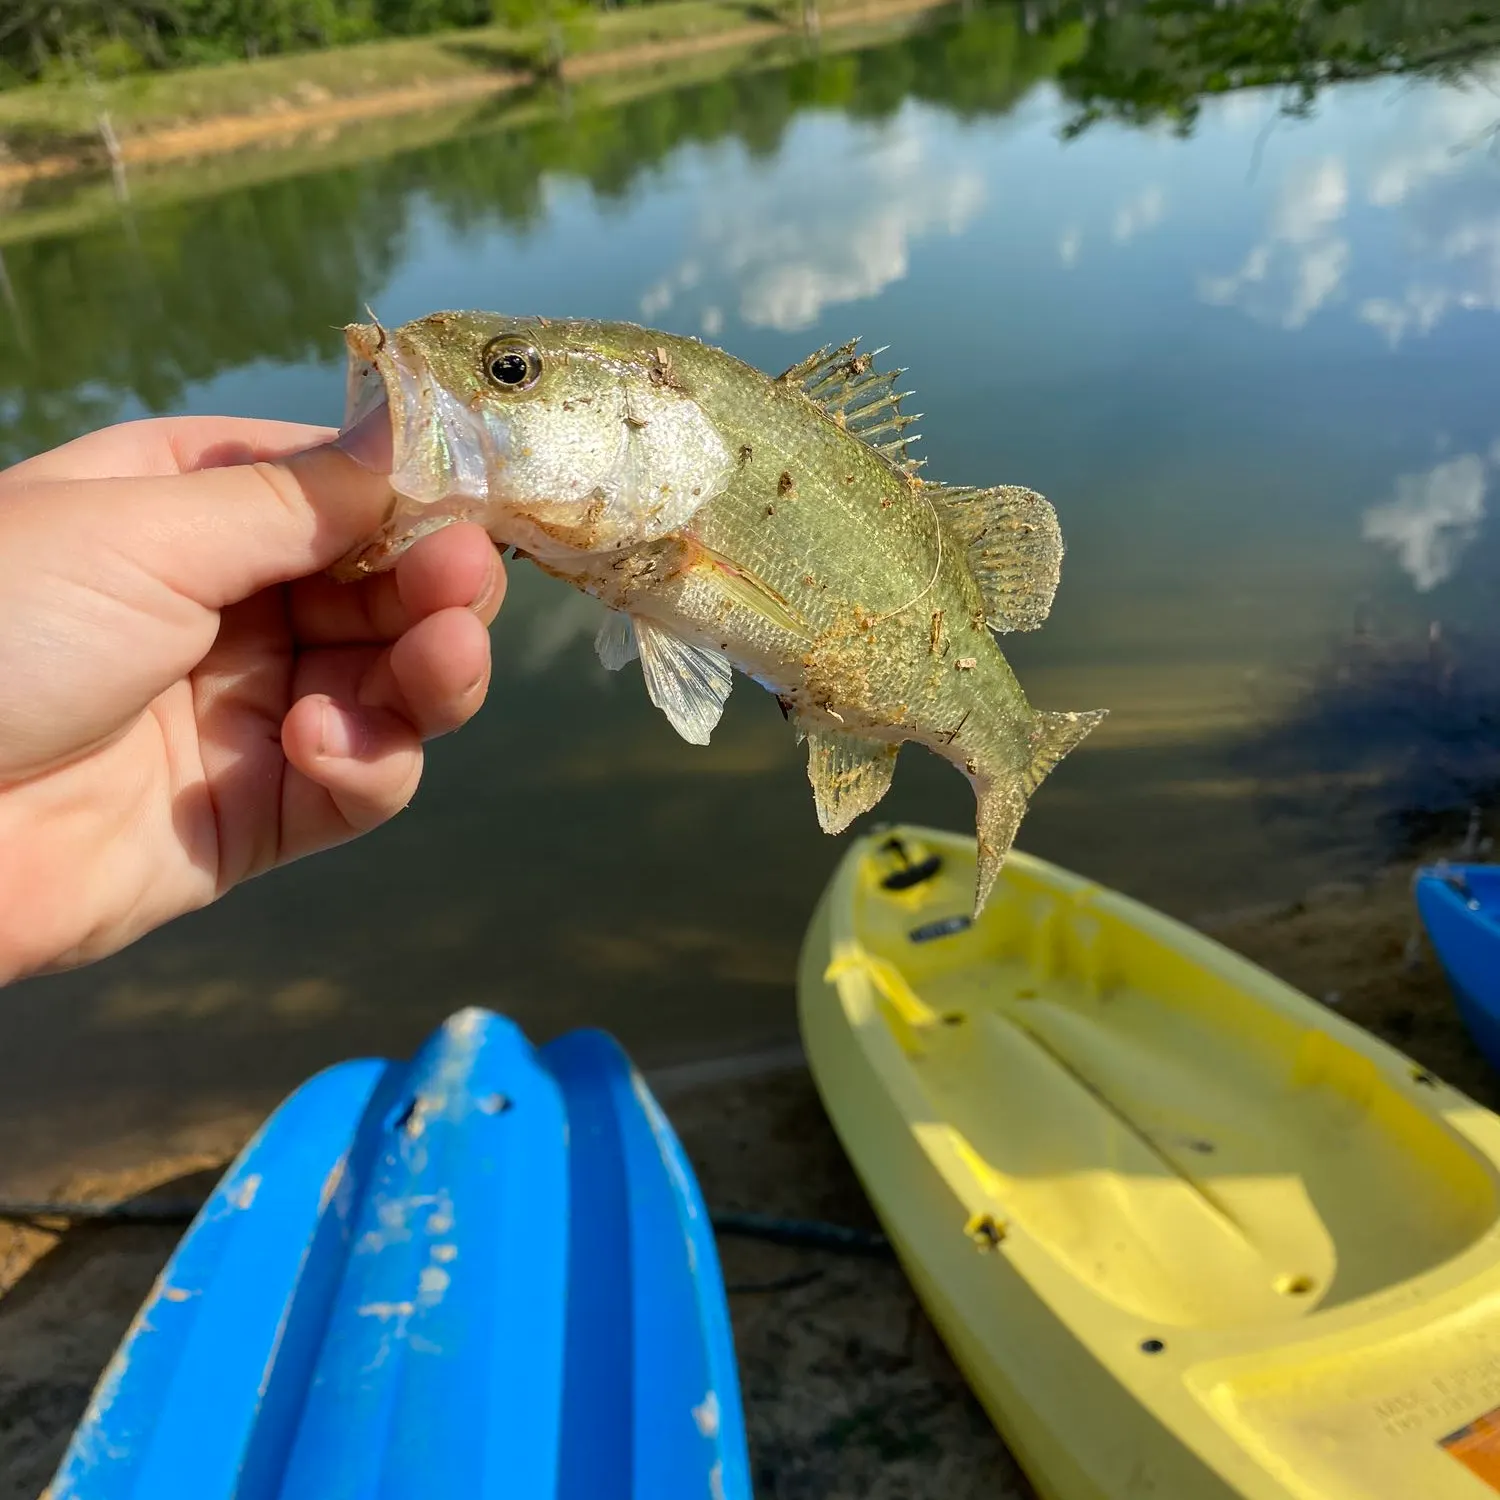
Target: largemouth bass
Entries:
(728, 519)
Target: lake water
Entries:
(1254, 369)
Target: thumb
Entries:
(216, 536)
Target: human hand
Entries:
(185, 699)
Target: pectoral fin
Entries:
(615, 641)
(689, 684)
(754, 594)
(849, 776)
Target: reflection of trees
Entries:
(271, 272)
(188, 291)
(1158, 60)
(1388, 744)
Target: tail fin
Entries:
(1002, 799)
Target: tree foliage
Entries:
(1157, 61)
(47, 39)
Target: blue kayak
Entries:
(1460, 908)
(485, 1273)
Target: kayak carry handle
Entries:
(909, 875)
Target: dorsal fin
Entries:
(1052, 736)
(1015, 549)
(860, 398)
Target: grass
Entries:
(49, 116)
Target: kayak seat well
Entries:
(1152, 1121)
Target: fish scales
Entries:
(731, 520)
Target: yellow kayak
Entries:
(1189, 1235)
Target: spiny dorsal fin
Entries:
(849, 775)
(1015, 549)
(860, 398)
(1053, 735)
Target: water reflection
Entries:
(1238, 362)
(832, 221)
(1433, 520)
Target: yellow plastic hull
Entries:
(1189, 1235)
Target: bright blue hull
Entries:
(1460, 908)
(486, 1273)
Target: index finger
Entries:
(168, 445)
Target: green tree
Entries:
(1160, 60)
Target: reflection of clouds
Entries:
(1301, 263)
(1432, 146)
(1464, 254)
(1069, 245)
(657, 299)
(825, 226)
(1427, 177)
(1312, 202)
(1140, 213)
(1417, 310)
(1433, 519)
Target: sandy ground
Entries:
(848, 1391)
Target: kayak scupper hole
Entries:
(1422, 1076)
(1152, 1346)
(493, 1104)
(1027, 994)
(954, 1018)
(1294, 1286)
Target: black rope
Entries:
(809, 1234)
(780, 1284)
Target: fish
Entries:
(730, 520)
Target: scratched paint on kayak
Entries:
(487, 1270)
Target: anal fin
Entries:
(849, 775)
(689, 684)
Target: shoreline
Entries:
(847, 1388)
(219, 134)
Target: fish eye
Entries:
(512, 365)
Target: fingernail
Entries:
(339, 733)
(368, 442)
(489, 588)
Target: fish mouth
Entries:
(400, 421)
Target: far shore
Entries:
(283, 97)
